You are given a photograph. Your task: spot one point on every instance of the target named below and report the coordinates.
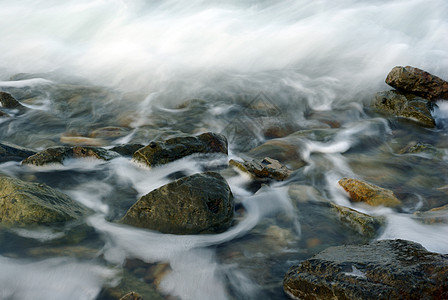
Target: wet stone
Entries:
(361, 191)
(25, 203)
(132, 296)
(8, 101)
(201, 203)
(409, 107)
(10, 152)
(279, 149)
(266, 168)
(158, 153)
(418, 82)
(389, 269)
(127, 149)
(433, 216)
(59, 154)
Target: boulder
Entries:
(266, 168)
(158, 153)
(406, 106)
(418, 82)
(25, 203)
(389, 269)
(10, 152)
(201, 203)
(8, 101)
(361, 191)
(59, 154)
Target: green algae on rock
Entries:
(407, 106)
(201, 203)
(25, 203)
(159, 153)
(361, 191)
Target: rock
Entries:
(82, 141)
(363, 223)
(266, 168)
(59, 154)
(3, 114)
(418, 82)
(132, 296)
(406, 106)
(361, 191)
(389, 269)
(434, 215)
(8, 101)
(10, 152)
(127, 149)
(158, 153)
(108, 132)
(280, 149)
(25, 203)
(201, 203)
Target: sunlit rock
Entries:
(266, 168)
(201, 203)
(361, 191)
(25, 203)
(389, 269)
(158, 153)
(406, 106)
(10, 152)
(132, 296)
(418, 82)
(59, 154)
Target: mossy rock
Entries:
(201, 203)
(410, 107)
(25, 203)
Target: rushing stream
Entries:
(302, 72)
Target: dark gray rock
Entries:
(8, 101)
(201, 203)
(406, 106)
(59, 154)
(418, 82)
(127, 149)
(389, 269)
(158, 153)
(10, 152)
(26, 203)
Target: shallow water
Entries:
(298, 72)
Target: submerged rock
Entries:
(389, 269)
(361, 191)
(363, 223)
(10, 152)
(158, 153)
(3, 114)
(434, 215)
(59, 154)
(418, 82)
(25, 203)
(280, 149)
(201, 203)
(405, 106)
(266, 168)
(8, 101)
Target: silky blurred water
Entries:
(300, 73)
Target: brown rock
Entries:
(132, 296)
(361, 191)
(266, 168)
(418, 82)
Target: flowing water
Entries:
(302, 72)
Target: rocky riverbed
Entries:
(223, 197)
